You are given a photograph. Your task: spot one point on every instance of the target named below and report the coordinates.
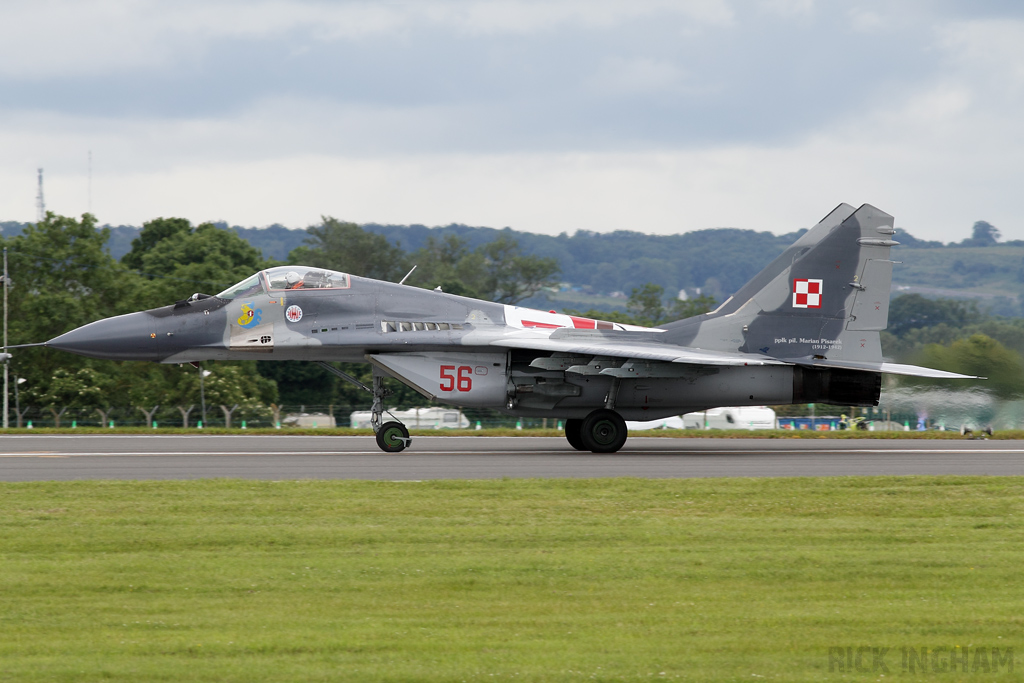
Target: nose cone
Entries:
(124, 337)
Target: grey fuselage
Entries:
(336, 325)
(387, 324)
(806, 329)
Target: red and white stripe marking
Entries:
(549, 320)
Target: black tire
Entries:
(572, 433)
(603, 431)
(390, 437)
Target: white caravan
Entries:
(671, 422)
(309, 420)
(417, 418)
(745, 417)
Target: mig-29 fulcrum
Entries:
(804, 330)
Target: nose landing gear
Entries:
(392, 437)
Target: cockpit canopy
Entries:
(287, 277)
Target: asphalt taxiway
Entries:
(59, 457)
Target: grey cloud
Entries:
(713, 115)
(652, 79)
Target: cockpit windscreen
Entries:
(247, 287)
(288, 277)
(304, 277)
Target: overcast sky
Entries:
(545, 116)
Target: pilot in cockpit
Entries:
(293, 280)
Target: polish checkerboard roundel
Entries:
(293, 313)
(806, 293)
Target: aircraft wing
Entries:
(590, 344)
(599, 345)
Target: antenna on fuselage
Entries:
(402, 282)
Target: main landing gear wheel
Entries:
(392, 437)
(603, 431)
(572, 433)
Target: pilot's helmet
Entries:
(292, 278)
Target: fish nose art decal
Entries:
(248, 334)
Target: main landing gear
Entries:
(602, 431)
(573, 427)
(393, 436)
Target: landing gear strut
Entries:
(392, 437)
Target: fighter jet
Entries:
(804, 330)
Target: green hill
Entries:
(993, 275)
(595, 266)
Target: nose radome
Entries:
(124, 337)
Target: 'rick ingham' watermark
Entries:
(920, 659)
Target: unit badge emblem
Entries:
(250, 316)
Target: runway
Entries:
(59, 458)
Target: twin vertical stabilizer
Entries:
(822, 302)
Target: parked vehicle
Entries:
(308, 420)
(417, 418)
(745, 417)
(672, 422)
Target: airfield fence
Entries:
(262, 417)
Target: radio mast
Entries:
(40, 203)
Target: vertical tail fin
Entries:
(825, 297)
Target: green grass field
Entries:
(514, 580)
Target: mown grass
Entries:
(1008, 434)
(524, 580)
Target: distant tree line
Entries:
(65, 276)
(958, 336)
(715, 261)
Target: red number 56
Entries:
(465, 378)
(449, 381)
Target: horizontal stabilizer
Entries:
(890, 368)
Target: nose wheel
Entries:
(393, 437)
